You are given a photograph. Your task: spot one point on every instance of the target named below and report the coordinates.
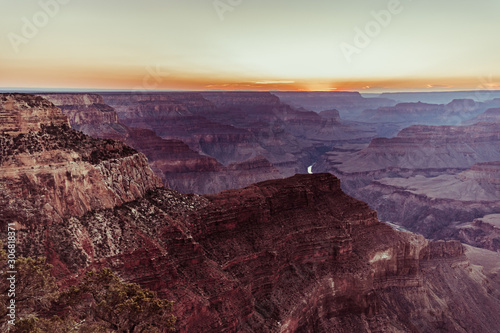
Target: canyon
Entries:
(212, 141)
(439, 181)
(350, 103)
(390, 120)
(285, 255)
(179, 166)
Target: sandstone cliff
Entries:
(52, 170)
(179, 166)
(290, 255)
(21, 113)
(294, 255)
(89, 114)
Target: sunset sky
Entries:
(368, 45)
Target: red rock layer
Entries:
(292, 255)
(180, 167)
(21, 113)
(57, 172)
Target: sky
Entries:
(314, 45)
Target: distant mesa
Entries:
(490, 115)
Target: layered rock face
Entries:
(293, 255)
(185, 170)
(57, 172)
(425, 147)
(236, 127)
(185, 117)
(350, 104)
(390, 120)
(460, 206)
(178, 166)
(490, 115)
(89, 114)
(290, 255)
(433, 180)
(21, 113)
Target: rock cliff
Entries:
(57, 172)
(21, 113)
(289, 255)
(429, 179)
(293, 255)
(179, 167)
(460, 206)
(89, 114)
(490, 115)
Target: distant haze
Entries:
(371, 46)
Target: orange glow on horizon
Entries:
(157, 78)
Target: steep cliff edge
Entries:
(429, 179)
(180, 167)
(89, 114)
(51, 170)
(21, 113)
(292, 255)
(289, 255)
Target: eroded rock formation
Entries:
(430, 179)
(178, 166)
(289, 255)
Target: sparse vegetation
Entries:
(62, 137)
(102, 302)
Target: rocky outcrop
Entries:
(89, 114)
(21, 113)
(292, 255)
(483, 232)
(57, 172)
(179, 167)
